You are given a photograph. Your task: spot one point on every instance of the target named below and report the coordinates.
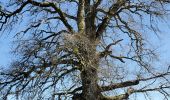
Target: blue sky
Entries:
(5, 50)
(163, 45)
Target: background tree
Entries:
(83, 49)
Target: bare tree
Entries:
(83, 49)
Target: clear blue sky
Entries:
(5, 49)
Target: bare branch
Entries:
(50, 4)
(113, 10)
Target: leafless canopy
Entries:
(83, 49)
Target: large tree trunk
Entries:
(89, 71)
(89, 82)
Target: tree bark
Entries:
(90, 89)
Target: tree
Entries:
(81, 49)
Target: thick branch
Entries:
(131, 83)
(119, 85)
(58, 10)
(65, 14)
(4, 16)
(80, 16)
(113, 10)
(118, 97)
(124, 96)
(130, 91)
(19, 9)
